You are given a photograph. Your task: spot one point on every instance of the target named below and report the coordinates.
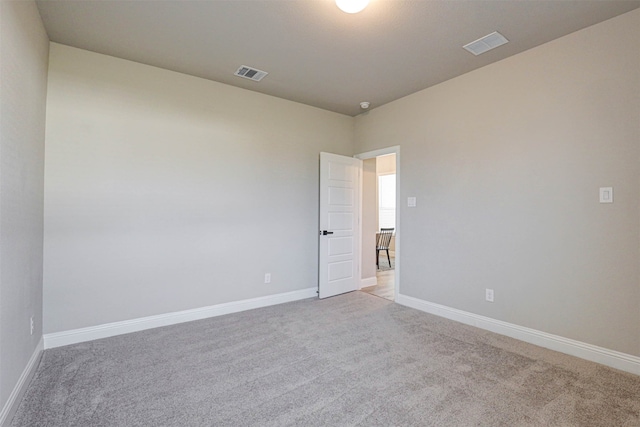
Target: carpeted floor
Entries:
(349, 360)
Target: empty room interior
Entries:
(190, 217)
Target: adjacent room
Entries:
(379, 220)
(287, 213)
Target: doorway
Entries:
(380, 185)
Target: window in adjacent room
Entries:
(387, 201)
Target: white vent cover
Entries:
(486, 43)
(250, 73)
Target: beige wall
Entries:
(166, 192)
(24, 52)
(506, 162)
(386, 164)
(369, 218)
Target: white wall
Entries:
(24, 47)
(166, 192)
(506, 162)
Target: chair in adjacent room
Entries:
(382, 244)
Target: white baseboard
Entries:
(369, 281)
(612, 358)
(75, 336)
(15, 397)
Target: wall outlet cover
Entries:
(489, 295)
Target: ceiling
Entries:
(314, 53)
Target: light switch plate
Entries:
(606, 194)
(411, 202)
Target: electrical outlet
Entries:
(489, 295)
(267, 277)
(31, 322)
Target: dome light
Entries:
(352, 6)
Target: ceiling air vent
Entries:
(250, 73)
(486, 43)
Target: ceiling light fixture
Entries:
(352, 6)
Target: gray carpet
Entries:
(350, 360)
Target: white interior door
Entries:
(339, 231)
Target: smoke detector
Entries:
(364, 105)
(486, 43)
(250, 73)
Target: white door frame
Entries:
(371, 155)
